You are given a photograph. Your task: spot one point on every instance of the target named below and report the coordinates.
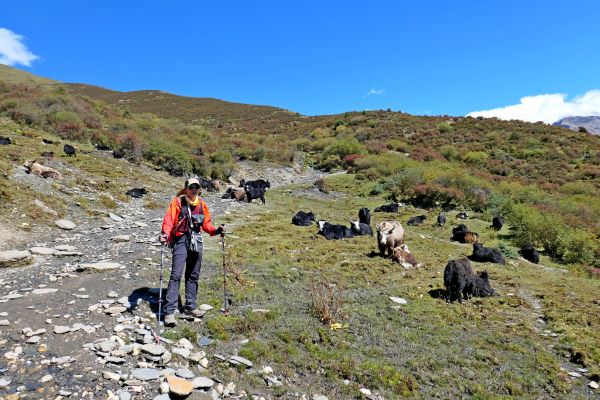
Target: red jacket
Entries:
(172, 218)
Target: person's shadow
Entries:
(150, 295)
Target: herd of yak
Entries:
(459, 279)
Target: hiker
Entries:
(185, 239)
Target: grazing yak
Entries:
(364, 216)
(253, 192)
(530, 254)
(118, 153)
(390, 234)
(360, 228)
(486, 254)
(334, 231)
(33, 167)
(418, 220)
(404, 257)
(69, 150)
(258, 183)
(391, 208)
(461, 283)
(462, 215)
(210, 185)
(5, 141)
(303, 218)
(441, 219)
(48, 141)
(136, 193)
(497, 222)
(462, 234)
(102, 147)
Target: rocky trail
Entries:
(78, 311)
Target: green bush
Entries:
(449, 152)
(444, 127)
(475, 157)
(344, 146)
(402, 184)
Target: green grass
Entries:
(484, 348)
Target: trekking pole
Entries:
(162, 259)
(225, 305)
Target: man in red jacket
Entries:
(186, 217)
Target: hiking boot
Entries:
(195, 313)
(170, 320)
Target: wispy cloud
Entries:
(12, 49)
(375, 92)
(547, 107)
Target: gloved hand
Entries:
(163, 238)
(220, 230)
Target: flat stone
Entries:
(46, 378)
(15, 258)
(179, 386)
(202, 382)
(115, 310)
(34, 339)
(114, 360)
(121, 238)
(240, 360)
(111, 376)
(273, 381)
(44, 291)
(180, 351)
(145, 374)
(4, 322)
(98, 267)
(65, 247)
(594, 385)
(320, 397)
(65, 224)
(153, 349)
(184, 373)
(365, 391)
(106, 346)
(4, 382)
(398, 300)
(115, 217)
(60, 329)
(205, 307)
(204, 341)
(124, 395)
(42, 251)
(574, 374)
(186, 344)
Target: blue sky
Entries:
(428, 57)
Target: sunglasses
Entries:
(194, 186)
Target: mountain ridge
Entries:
(591, 123)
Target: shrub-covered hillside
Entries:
(545, 180)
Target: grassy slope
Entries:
(15, 75)
(485, 348)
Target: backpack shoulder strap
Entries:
(184, 208)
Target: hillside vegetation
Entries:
(319, 312)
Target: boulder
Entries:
(99, 266)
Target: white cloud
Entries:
(375, 92)
(12, 49)
(547, 107)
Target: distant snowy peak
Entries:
(591, 124)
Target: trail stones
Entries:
(98, 267)
(184, 373)
(115, 217)
(43, 251)
(145, 374)
(153, 349)
(121, 238)
(594, 385)
(65, 224)
(202, 382)
(235, 360)
(15, 258)
(179, 386)
(44, 291)
(60, 329)
(111, 376)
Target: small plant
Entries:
(327, 301)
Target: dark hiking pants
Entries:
(190, 261)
